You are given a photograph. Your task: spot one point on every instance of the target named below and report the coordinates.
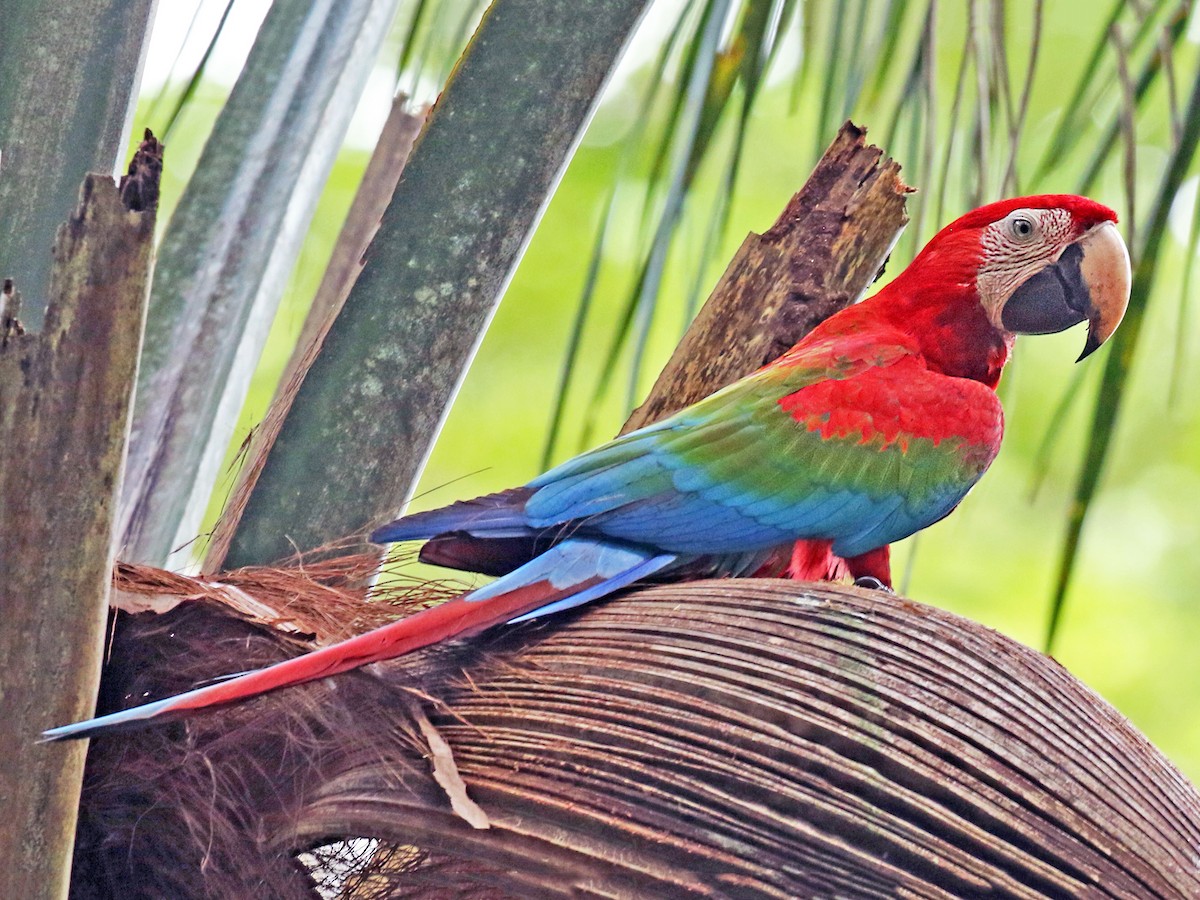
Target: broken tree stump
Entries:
(64, 421)
(827, 247)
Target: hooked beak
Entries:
(1090, 280)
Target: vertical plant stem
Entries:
(227, 256)
(69, 71)
(367, 414)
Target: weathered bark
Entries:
(64, 421)
(829, 244)
(746, 738)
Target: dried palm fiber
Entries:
(730, 738)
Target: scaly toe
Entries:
(873, 583)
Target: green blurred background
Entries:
(1130, 624)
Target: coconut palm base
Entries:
(731, 738)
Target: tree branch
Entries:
(826, 248)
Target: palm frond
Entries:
(1148, 76)
(193, 81)
(1120, 357)
(714, 70)
(691, 126)
(1010, 183)
(227, 255)
(1091, 84)
(307, 494)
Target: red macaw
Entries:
(874, 426)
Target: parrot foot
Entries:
(872, 583)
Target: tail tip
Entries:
(74, 731)
(111, 722)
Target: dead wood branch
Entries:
(64, 421)
(828, 245)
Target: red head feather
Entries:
(935, 302)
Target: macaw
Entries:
(872, 427)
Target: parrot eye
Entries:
(1022, 227)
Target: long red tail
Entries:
(458, 617)
(571, 573)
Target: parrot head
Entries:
(1041, 264)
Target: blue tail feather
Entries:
(495, 515)
(577, 563)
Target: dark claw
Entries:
(873, 583)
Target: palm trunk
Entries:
(64, 423)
